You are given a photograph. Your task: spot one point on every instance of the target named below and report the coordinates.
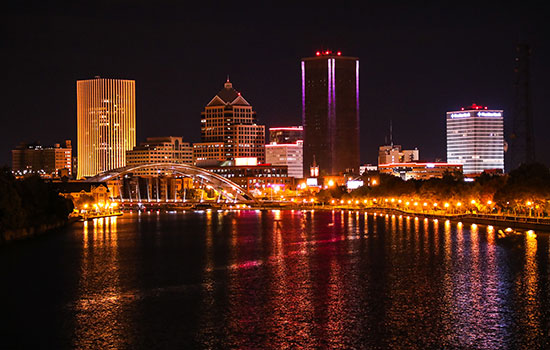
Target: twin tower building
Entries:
(106, 120)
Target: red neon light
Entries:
(414, 163)
(288, 128)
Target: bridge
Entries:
(128, 182)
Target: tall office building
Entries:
(475, 139)
(330, 112)
(521, 131)
(229, 129)
(106, 124)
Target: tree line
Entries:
(525, 190)
(30, 202)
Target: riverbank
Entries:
(26, 232)
(515, 222)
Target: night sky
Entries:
(416, 63)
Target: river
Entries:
(275, 280)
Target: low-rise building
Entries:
(83, 192)
(290, 155)
(254, 177)
(50, 162)
(168, 149)
(394, 154)
(419, 171)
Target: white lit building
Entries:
(475, 139)
(288, 154)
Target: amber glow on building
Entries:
(229, 129)
(106, 124)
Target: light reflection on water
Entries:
(327, 279)
(297, 279)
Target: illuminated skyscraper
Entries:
(475, 138)
(229, 129)
(330, 112)
(106, 124)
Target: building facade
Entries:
(229, 129)
(106, 124)
(475, 139)
(394, 154)
(330, 112)
(54, 161)
(419, 171)
(287, 154)
(289, 134)
(255, 177)
(167, 149)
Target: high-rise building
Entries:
(289, 134)
(330, 112)
(475, 139)
(521, 134)
(106, 124)
(155, 150)
(229, 129)
(54, 161)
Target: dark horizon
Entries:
(416, 63)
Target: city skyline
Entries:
(412, 78)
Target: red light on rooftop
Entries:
(462, 109)
(476, 107)
(317, 53)
(327, 52)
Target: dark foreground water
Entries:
(275, 279)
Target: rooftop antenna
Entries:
(522, 140)
(391, 134)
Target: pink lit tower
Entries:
(330, 112)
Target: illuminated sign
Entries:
(460, 115)
(354, 184)
(489, 114)
(311, 181)
(246, 161)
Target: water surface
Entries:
(275, 279)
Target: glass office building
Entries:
(475, 139)
(330, 112)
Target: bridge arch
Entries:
(218, 182)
